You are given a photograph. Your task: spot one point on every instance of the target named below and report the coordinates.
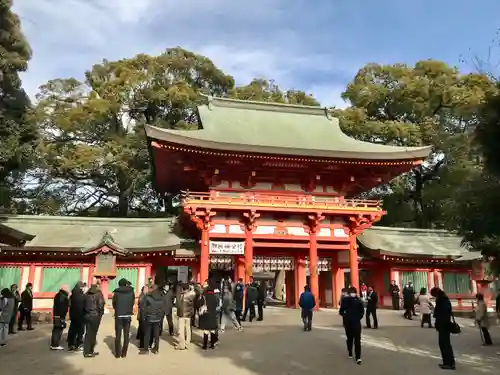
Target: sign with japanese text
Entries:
(227, 248)
(105, 265)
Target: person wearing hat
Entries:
(123, 305)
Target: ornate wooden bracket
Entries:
(357, 224)
(250, 220)
(313, 222)
(201, 217)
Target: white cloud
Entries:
(247, 40)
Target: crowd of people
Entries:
(210, 307)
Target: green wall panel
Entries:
(9, 276)
(419, 280)
(129, 273)
(456, 283)
(53, 278)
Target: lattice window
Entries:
(9, 276)
(53, 278)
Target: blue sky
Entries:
(316, 46)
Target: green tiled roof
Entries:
(280, 129)
(415, 243)
(85, 233)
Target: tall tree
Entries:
(93, 138)
(268, 91)
(430, 103)
(17, 135)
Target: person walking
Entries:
(59, 311)
(123, 306)
(93, 312)
(208, 316)
(228, 309)
(140, 316)
(26, 307)
(17, 300)
(352, 311)
(185, 310)
(76, 329)
(154, 312)
(261, 300)
(443, 315)
(371, 307)
(426, 307)
(408, 301)
(7, 309)
(307, 302)
(394, 291)
(482, 319)
(239, 292)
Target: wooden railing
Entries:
(280, 200)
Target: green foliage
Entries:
(430, 103)
(17, 136)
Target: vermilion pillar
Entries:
(353, 261)
(204, 255)
(250, 219)
(313, 266)
(195, 273)
(240, 268)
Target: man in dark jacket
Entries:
(261, 300)
(169, 297)
(352, 311)
(123, 305)
(26, 307)
(59, 312)
(76, 314)
(307, 303)
(17, 298)
(409, 301)
(371, 307)
(93, 312)
(443, 314)
(252, 294)
(154, 311)
(394, 291)
(239, 292)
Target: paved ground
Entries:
(276, 346)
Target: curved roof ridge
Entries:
(218, 101)
(413, 230)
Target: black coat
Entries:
(372, 302)
(352, 311)
(77, 304)
(239, 292)
(94, 303)
(26, 300)
(442, 312)
(154, 306)
(252, 294)
(123, 301)
(168, 300)
(262, 293)
(408, 298)
(209, 321)
(61, 305)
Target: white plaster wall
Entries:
(236, 229)
(293, 187)
(397, 278)
(142, 280)
(440, 280)
(42, 303)
(85, 274)
(25, 277)
(340, 233)
(324, 232)
(37, 279)
(218, 228)
(265, 229)
(297, 231)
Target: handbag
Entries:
(454, 327)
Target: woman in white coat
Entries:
(425, 308)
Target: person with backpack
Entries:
(93, 312)
(352, 311)
(154, 312)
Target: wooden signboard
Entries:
(105, 265)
